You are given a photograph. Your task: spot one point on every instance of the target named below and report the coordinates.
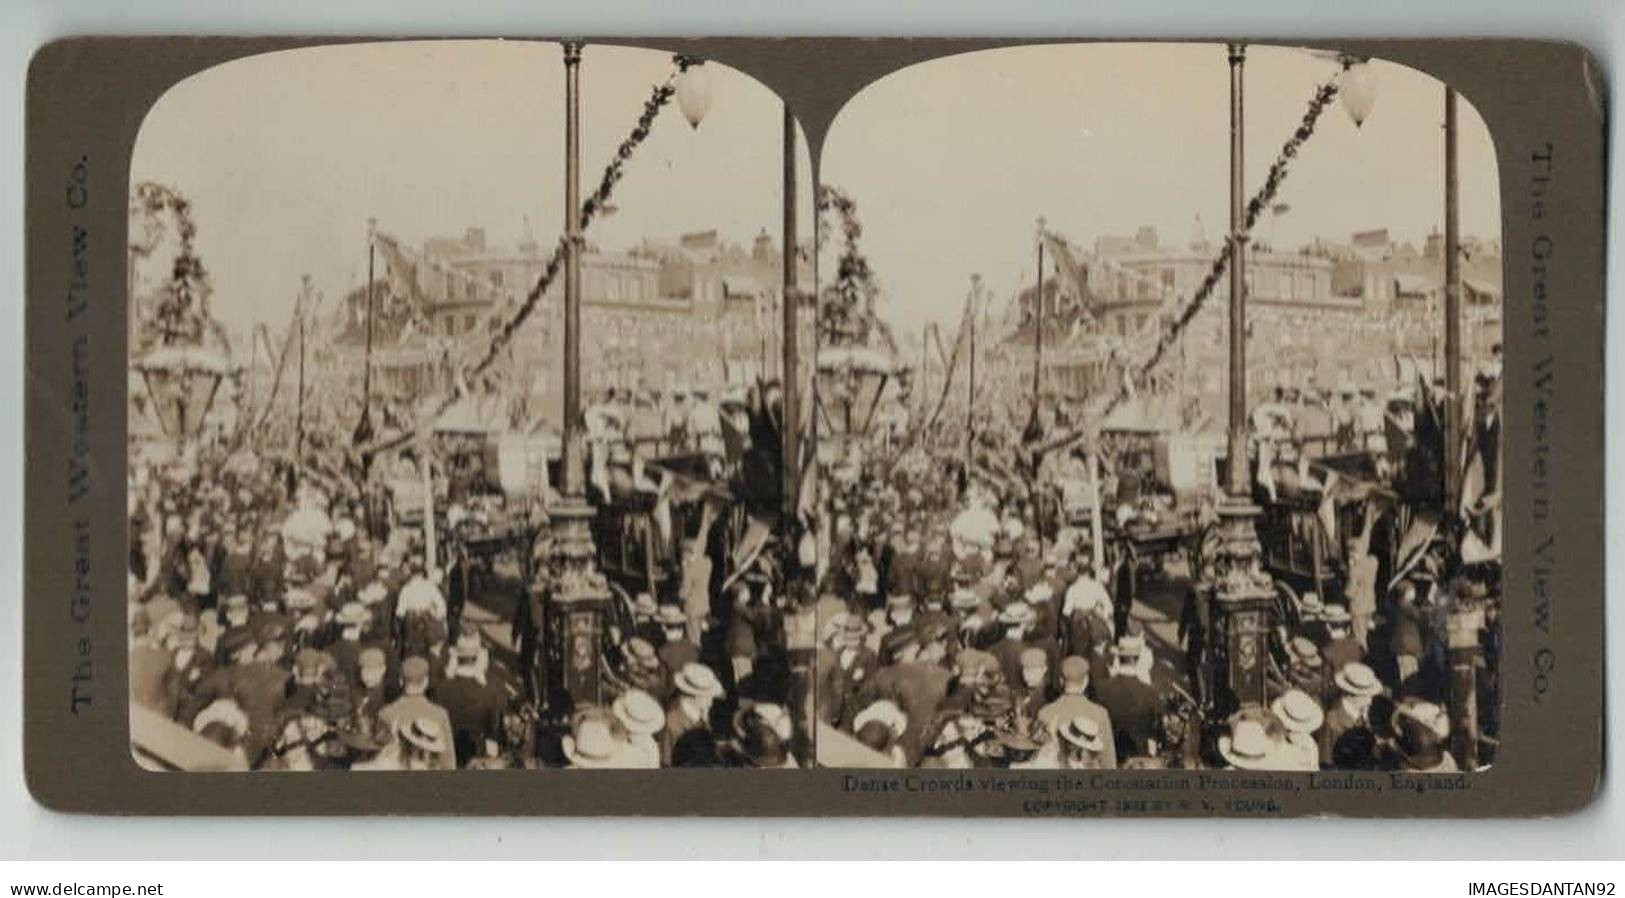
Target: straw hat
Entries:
(645, 604)
(424, 733)
(1304, 652)
(1357, 679)
(639, 711)
(1298, 712)
(1085, 732)
(1248, 746)
(698, 680)
(592, 742)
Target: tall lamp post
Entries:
(575, 615)
(791, 333)
(1242, 591)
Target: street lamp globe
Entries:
(851, 380)
(694, 92)
(1359, 91)
(182, 381)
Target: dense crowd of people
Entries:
(292, 618)
(968, 618)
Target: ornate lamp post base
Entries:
(1241, 600)
(576, 611)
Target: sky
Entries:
(952, 161)
(285, 155)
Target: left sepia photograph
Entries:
(469, 414)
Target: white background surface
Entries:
(29, 831)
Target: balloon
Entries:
(1359, 91)
(694, 94)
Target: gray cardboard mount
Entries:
(87, 97)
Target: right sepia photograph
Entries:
(1158, 415)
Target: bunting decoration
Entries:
(1261, 202)
(503, 332)
(594, 204)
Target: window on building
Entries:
(469, 322)
(449, 325)
(1167, 279)
(1143, 288)
(496, 277)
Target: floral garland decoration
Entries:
(1324, 95)
(846, 313)
(594, 204)
(504, 333)
(179, 317)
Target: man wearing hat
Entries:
(351, 623)
(1087, 610)
(1357, 685)
(189, 665)
(697, 689)
(234, 615)
(1249, 746)
(855, 662)
(260, 687)
(1031, 691)
(1085, 744)
(1302, 717)
(677, 650)
(1341, 648)
(415, 708)
(644, 669)
(898, 612)
(473, 699)
(1040, 597)
(597, 740)
(643, 719)
(1073, 704)
(903, 574)
(919, 687)
(1130, 700)
(1420, 730)
(1018, 619)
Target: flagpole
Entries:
(366, 370)
(1038, 322)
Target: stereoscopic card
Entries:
(804, 427)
